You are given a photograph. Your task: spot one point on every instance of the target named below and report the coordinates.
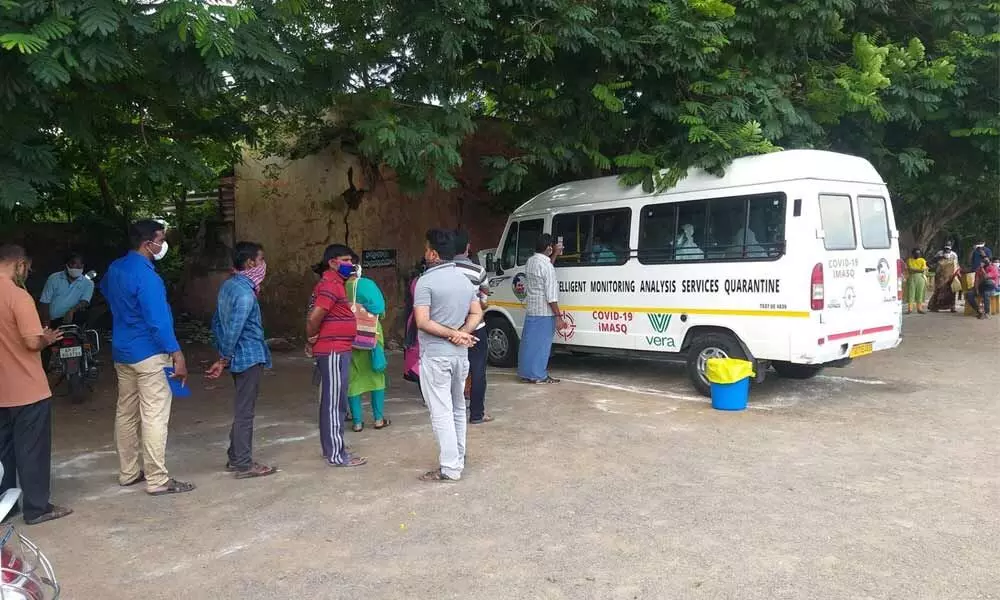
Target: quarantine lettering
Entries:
(753, 286)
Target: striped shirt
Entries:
(337, 331)
(477, 275)
(541, 286)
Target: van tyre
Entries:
(503, 342)
(705, 346)
(789, 370)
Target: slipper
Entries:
(485, 419)
(358, 427)
(55, 512)
(139, 479)
(257, 470)
(172, 487)
(385, 423)
(436, 476)
(353, 461)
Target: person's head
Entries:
(947, 246)
(14, 263)
(440, 246)
(339, 259)
(916, 253)
(544, 244)
(462, 244)
(247, 255)
(74, 265)
(147, 237)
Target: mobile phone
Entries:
(559, 240)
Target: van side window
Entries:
(593, 238)
(508, 257)
(716, 229)
(837, 219)
(519, 244)
(874, 220)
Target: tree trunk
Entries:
(928, 227)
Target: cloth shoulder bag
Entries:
(367, 336)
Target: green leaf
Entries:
(25, 43)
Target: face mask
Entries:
(345, 270)
(257, 274)
(75, 273)
(163, 251)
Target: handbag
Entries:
(366, 337)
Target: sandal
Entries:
(358, 427)
(55, 512)
(382, 424)
(549, 380)
(436, 476)
(485, 419)
(139, 479)
(353, 461)
(256, 470)
(172, 487)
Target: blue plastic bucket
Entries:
(731, 396)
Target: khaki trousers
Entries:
(144, 398)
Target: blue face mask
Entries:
(345, 270)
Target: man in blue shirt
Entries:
(66, 293)
(64, 299)
(143, 346)
(239, 338)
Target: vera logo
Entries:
(659, 322)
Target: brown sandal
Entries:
(353, 461)
(436, 476)
(139, 479)
(382, 424)
(172, 486)
(256, 470)
(55, 512)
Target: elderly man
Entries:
(25, 407)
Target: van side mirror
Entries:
(489, 263)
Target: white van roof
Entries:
(787, 165)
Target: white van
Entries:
(789, 260)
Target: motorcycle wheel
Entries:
(77, 388)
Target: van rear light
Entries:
(816, 288)
(899, 279)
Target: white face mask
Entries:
(74, 273)
(163, 251)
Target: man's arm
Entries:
(45, 300)
(36, 338)
(152, 297)
(315, 320)
(475, 316)
(236, 317)
(88, 293)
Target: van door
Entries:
(859, 272)
(507, 288)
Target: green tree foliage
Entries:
(130, 102)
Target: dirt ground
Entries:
(881, 480)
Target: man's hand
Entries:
(215, 371)
(68, 317)
(180, 367)
(461, 338)
(51, 336)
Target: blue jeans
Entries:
(986, 293)
(535, 348)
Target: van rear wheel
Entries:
(502, 341)
(704, 347)
(795, 371)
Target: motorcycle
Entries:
(25, 573)
(77, 353)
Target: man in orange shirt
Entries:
(25, 408)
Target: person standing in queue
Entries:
(143, 347)
(543, 317)
(478, 352)
(25, 398)
(239, 338)
(330, 329)
(447, 310)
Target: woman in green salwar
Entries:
(367, 374)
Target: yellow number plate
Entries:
(861, 350)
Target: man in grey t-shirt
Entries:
(446, 310)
